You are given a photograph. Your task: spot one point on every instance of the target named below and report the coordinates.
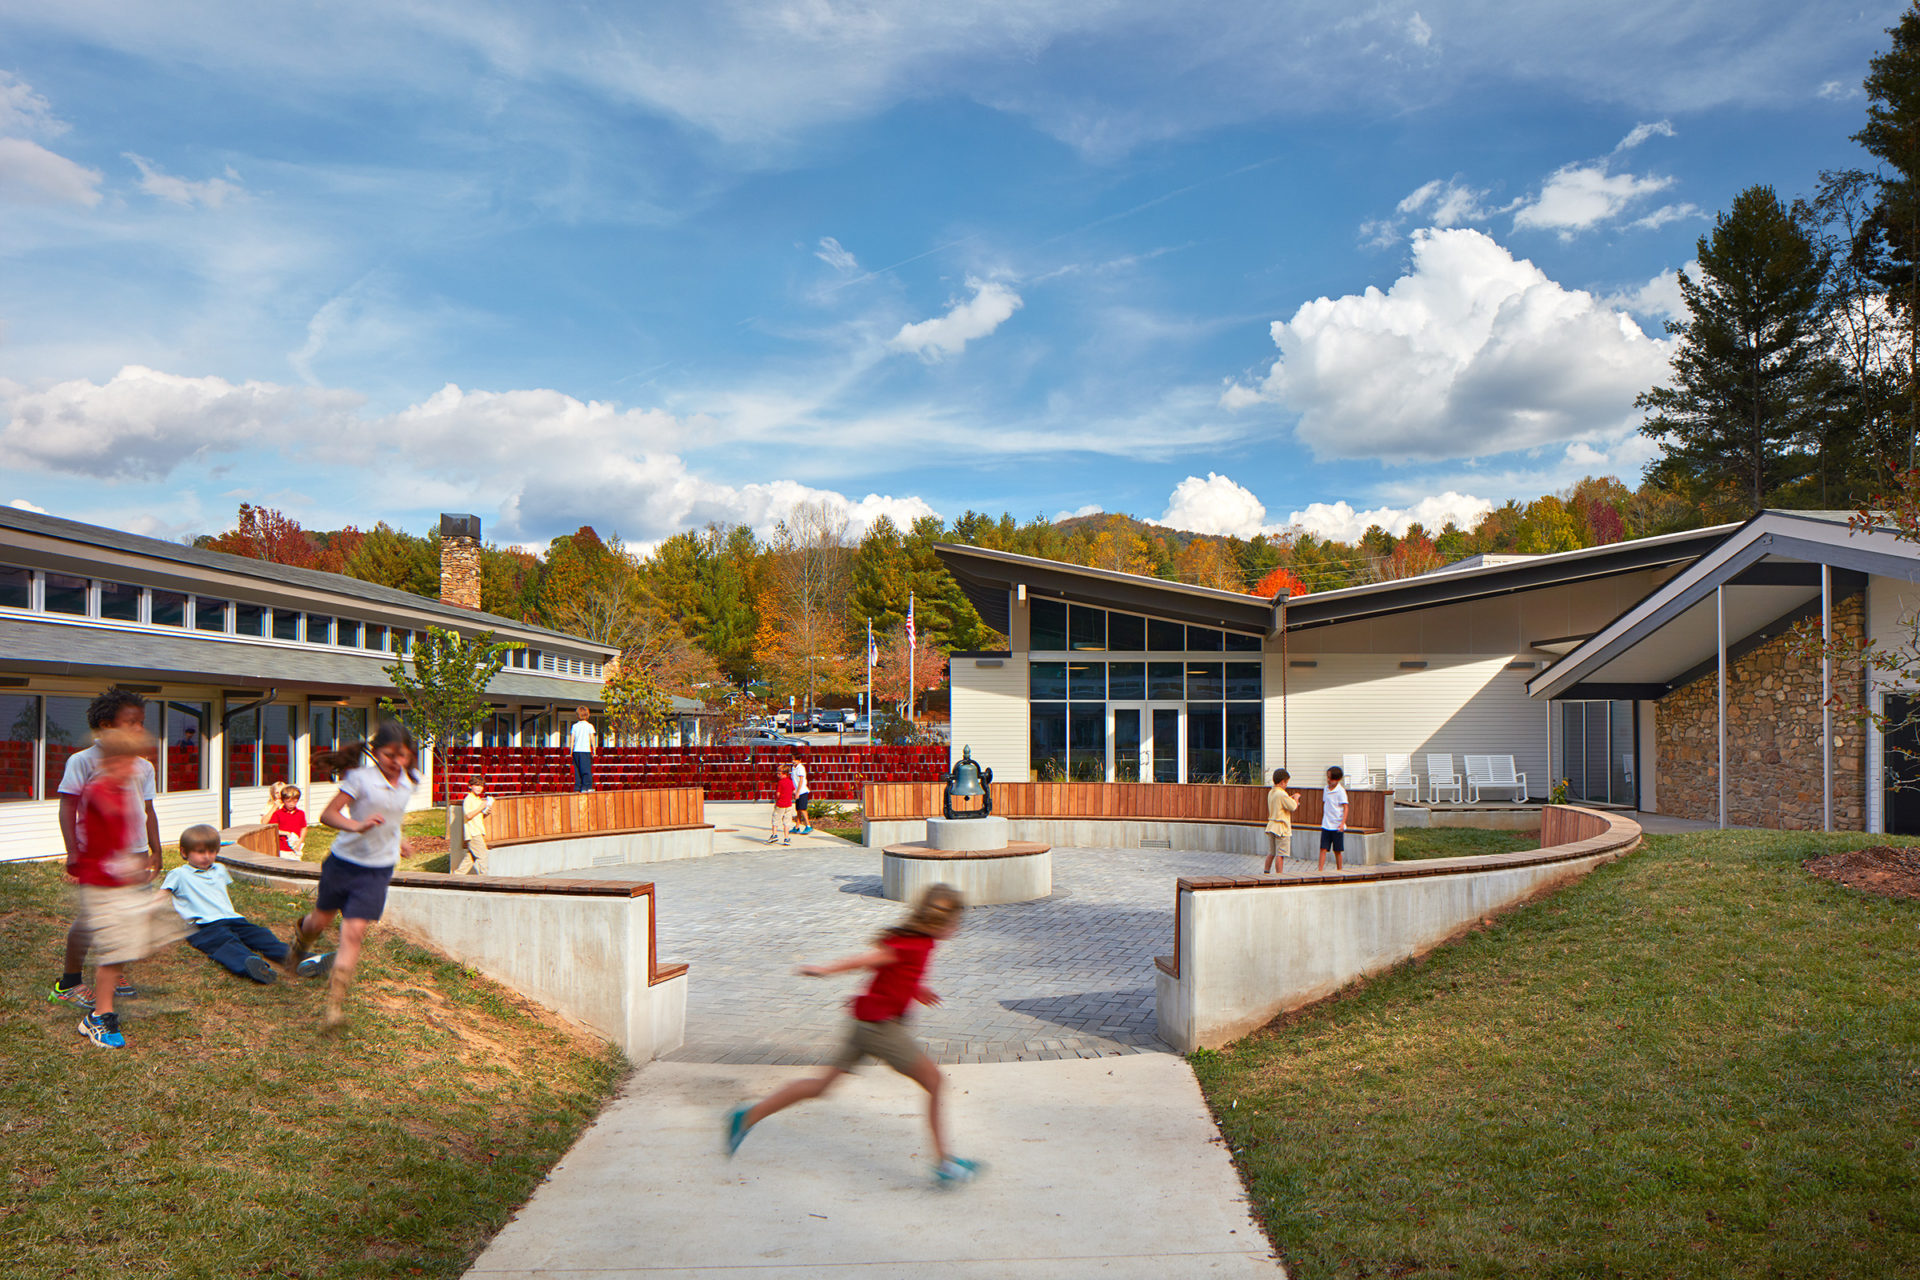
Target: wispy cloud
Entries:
(836, 255)
(990, 306)
(210, 193)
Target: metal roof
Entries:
(280, 575)
(1766, 574)
(987, 576)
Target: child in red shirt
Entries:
(292, 821)
(781, 832)
(899, 960)
(127, 917)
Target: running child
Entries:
(1280, 807)
(355, 875)
(1333, 819)
(782, 826)
(117, 708)
(126, 917)
(222, 934)
(899, 960)
(291, 819)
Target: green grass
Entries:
(428, 826)
(1699, 1061)
(1457, 842)
(230, 1138)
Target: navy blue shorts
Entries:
(801, 801)
(1334, 840)
(356, 892)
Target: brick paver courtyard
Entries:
(1069, 976)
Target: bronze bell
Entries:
(968, 782)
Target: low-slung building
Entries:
(1587, 666)
(249, 668)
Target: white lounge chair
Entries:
(1400, 777)
(1441, 777)
(1494, 773)
(1356, 771)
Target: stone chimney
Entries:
(460, 560)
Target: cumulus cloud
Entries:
(1579, 197)
(142, 423)
(1472, 353)
(1339, 521)
(836, 256)
(976, 317)
(559, 461)
(21, 504)
(210, 192)
(1215, 505)
(1658, 297)
(31, 172)
(1091, 509)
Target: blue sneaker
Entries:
(953, 1171)
(79, 994)
(315, 966)
(125, 991)
(737, 1127)
(104, 1030)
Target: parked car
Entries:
(763, 738)
(832, 720)
(860, 724)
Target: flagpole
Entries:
(869, 680)
(910, 644)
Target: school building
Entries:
(1655, 674)
(248, 667)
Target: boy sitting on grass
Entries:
(228, 938)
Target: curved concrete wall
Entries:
(982, 882)
(1249, 950)
(579, 853)
(1363, 848)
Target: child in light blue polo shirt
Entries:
(231, 940)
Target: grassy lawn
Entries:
(1458, 842)
(426, 829)
(230, 1138)
(1700, 1061)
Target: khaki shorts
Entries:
(889, 1041)
(129, 923)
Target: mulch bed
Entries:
(1883, 869)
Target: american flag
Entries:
(909, 622)
(873, 649)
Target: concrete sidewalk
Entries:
(1106, 1167)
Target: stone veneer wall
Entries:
(460, 572)
(1773, 738)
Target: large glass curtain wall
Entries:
(1597, 751)
(1087, 721)
(38, 735)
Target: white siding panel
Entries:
(1351, 703)
(990, 714)
(1891, 605)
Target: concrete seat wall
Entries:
(1364, 848)
(578, 853)
(584, 949)
(1247, 950)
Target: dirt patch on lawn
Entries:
(1883, 869)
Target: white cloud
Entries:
(35, 173)
(1659, 296)
(1445, 203)
(989, 307)
(210, 192)
(1579, 197)
(1215, 505)
(559, 461)
(22, 111)
(1669, 213)
(21, 504)
(1837, 91)
(1419, 31)
(1339, 521)
(1379, 233)
(836, 256)
(1472, 353)
(1641, 132)
(1091, 509)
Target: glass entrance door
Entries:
(1145, 743)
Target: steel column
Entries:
(1720, 653)
(1826, 697)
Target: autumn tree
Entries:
(1413, 554)
(1280, 580)
(262, 533)
(1207, 562)
(890, 673)
(807, 580)
(399, 560)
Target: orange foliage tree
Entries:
(1278, 580)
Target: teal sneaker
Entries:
(104, 1030)
(80, 995)
(736, 1128)
(953, 1171)
(315, 966)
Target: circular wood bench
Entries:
(1021, 872)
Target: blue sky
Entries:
(1238, 266)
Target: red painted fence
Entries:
(726, 773)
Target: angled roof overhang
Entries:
(1770, 569)
(990, 577)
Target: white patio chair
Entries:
(1400, 777)
(1356, 771)
(1505, 777)
(1479, 774)
(1441, 777)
